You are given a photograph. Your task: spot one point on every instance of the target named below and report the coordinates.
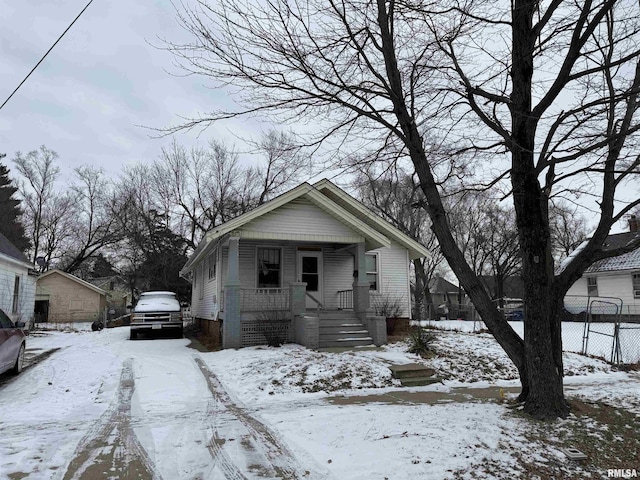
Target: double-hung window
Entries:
(371, 262)
(269, 267)
(636, 285)
(16, 295)
(592, 286)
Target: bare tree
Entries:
(396, 197)
(552, 88)
(93, 225)
(204, 187)
(42, 204)
(568, 229)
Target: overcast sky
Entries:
(101, 81)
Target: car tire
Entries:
(180, 333)
(19, 365)
(133, 335)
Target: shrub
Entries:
(421, 342)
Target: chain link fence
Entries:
(602, 327)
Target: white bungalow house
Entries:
(17, 283)
(612, 283)
(313, 264)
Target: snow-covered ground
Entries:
(106, 407)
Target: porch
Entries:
(299, 297)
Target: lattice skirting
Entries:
(264, 332)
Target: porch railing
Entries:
(264, 299)
(345, 299)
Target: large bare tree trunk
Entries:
(544, 396)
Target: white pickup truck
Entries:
(156, 312)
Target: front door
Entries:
(310, 271)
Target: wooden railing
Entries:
(345, 299)
(264, 299)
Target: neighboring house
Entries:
(17, 283)
(313, 263)
(449, 300)
(117, 290)
(616, 278)
(62, 298)
(512, 287)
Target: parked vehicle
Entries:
(12, 345)
(157, 312)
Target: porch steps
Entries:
(414, 374)
(342, 328)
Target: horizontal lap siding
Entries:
(394, 277)
(299, 216)
(204, 307)
(338, 275)
(26, 299)
(62, 292)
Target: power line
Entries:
(45, 55)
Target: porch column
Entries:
(231, 327)
(298, 298)
(361, 290)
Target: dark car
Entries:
(12, 345)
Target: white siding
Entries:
(338, 275)
(337, 270)
(394, 278)
(27, 295)
(617, 286)
(205, 307)
(299, 216)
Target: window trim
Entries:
(592, 286)
(15, 304)
(635, 284)
(212, 271)
(377, 272)
(257, 266)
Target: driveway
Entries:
(147, 409)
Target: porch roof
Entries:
(362, 231)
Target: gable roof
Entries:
(9, 250)
(416, 249)
(626, 261)
(73, 278)
(375, 232)
(439, 285)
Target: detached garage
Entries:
(62, 297)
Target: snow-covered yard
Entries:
(106, 406)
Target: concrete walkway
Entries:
(412, 397)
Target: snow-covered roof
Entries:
(73, 278)
(627, 261)
(11, 252)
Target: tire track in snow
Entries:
(282, 461)
(110, 447)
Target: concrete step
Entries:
(342, 327)
(347, 342)
(418, 382)
(360, 334)
(326, 322)
(336, 314)
(413, 374)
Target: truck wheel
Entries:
(180, 333)
(133, 335)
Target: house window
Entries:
(269, 267)
(16, 295)
(212, 266)
(199, 272)
(636, 285)
(371, 262)
(592, 286)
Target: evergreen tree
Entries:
(10, 211)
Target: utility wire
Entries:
(45, 55)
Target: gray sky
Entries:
(102, 80)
